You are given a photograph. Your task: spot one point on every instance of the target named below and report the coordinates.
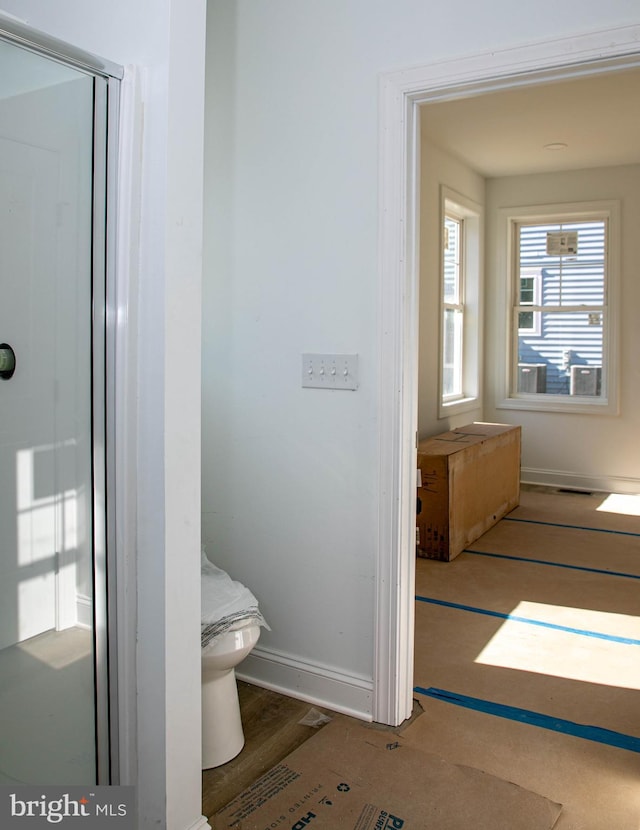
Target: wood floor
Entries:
(541, 616)
(272, 729)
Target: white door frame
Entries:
(401, 94)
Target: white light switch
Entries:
(330, 371)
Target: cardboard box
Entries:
(470, 479)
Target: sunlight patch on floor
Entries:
(621, 503)
(533, 648)
(58, 649)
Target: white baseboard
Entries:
(576, 481)
(200, 824)
(320, 685)
(84, 611)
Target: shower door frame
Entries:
(105, 331)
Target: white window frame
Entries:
(507, 359)
(456, 305)
(471, 216)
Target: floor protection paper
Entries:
(358, 778)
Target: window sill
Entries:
(458, 406)
(570, 404)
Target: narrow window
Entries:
(460, 344)
(453, 310)
(528, 317)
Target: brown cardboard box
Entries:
(470, 480)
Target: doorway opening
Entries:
(403, 95)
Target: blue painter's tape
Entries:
(612, 638)
(553, 564)
(571, 527)
(567, 727)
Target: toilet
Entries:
(230, 629)
(222, 734)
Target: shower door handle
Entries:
(7, 361)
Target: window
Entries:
(561, 318)
(453, 309)
(530, 283)
(460, 293)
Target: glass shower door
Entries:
(48, 666)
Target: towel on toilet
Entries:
(225, 602)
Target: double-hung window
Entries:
(453, 308)
(562, 313)
(461, 270)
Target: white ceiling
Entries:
(504, 133)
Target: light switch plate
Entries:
(330, 371)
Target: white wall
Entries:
(587, 451)
(290, 488)
(437, 168)
(165, 38)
